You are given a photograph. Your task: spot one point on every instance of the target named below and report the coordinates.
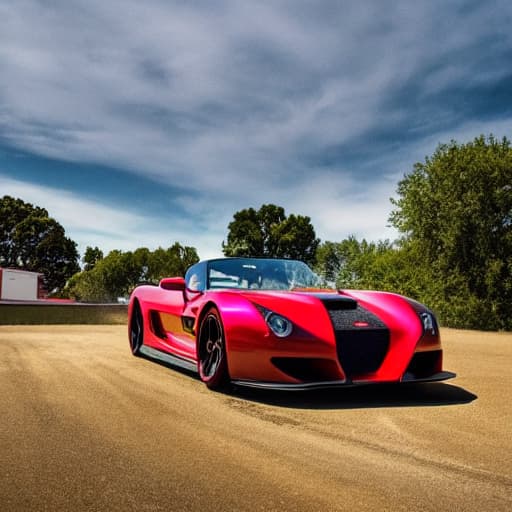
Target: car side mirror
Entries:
(173, 283)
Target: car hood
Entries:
(272, 298)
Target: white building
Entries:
(20, 284)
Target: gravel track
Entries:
(86, 426)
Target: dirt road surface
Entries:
(86, 426)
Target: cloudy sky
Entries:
(142, 123)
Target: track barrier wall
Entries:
(16, 313)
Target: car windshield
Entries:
(260, 274)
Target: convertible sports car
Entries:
(266, 323)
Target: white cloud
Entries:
(91, 223)
(339, 206)
(240, 102)
(172, 90)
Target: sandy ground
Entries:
(86, 426)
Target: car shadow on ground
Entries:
(363, 397)
(350, 397)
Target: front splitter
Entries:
(304, 386)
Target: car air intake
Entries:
(362, 339)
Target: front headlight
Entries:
(278, 324)
(427, 318)
(429, 324)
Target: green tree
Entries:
(119, 272)
(91, 257)
(268, 232)
(338, 262)
(455, 213)
(31, 240)
(354, 264)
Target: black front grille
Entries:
(307, 369)
(343, 320)
(362, 340)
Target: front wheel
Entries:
(136, 329)
(212, 361)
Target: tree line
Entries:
(32, 240)
(106, 279)
(453, 212)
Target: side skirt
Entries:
(181, 362)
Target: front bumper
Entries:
(305, 386)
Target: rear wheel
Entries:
(212, 361)
(136, 329)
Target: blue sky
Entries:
(144, 123)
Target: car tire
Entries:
(212, 360)
(136, 334)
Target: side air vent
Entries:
(156, 325)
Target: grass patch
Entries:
(24, 314)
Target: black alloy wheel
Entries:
(212, 362)
(136, 329)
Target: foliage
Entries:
(369, 265)
(455, 210)
(31, 240)
(455, 215)
(119, 272)
(91, 257)
(268, 232)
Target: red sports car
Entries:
(266, 323)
